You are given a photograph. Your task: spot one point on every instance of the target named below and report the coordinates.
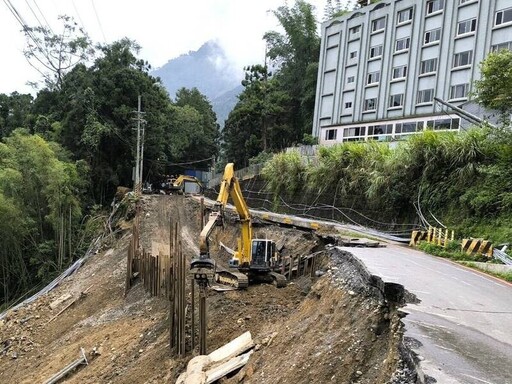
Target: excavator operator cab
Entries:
(262, 253)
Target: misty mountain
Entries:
(225, 103)
(209, 70)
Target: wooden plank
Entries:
(235, 347)
(229, 366)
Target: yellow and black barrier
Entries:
(416, 237)
(480, 246)
(440, 236)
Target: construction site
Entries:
(133, 312)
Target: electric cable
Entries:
(99, 22)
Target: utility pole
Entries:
(140, 151)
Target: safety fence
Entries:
(477, 246)
(471, 246)
(439, 236)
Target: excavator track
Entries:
(234, 279)
(278, 279)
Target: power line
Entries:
(37, 18)
(23, 24)
(99, 22)
(77, 14)
(42, 15)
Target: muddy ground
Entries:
(336, 328)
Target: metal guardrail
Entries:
(502, 256)
(68, 272)
(242, 174)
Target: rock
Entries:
(359, 373)
(141, 350)
(14, 355)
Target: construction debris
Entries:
(82, 294)
(56, 303)
(66, 370)
(205, 369)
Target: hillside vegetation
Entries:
(464, 180)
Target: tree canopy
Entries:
(275, 109)
(494, 89)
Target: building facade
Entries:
(382, 65)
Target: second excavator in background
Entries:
(255, 260)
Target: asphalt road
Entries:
(464, 321)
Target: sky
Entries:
(164, 29)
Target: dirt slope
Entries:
(329, 330)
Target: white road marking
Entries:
(477, 378)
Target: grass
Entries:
(452, 252)
(507, 276)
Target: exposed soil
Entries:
(338, 328)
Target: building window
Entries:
(378, 24)
(404, 16)
(499, 47)
(425, 96)
(462, 58)
(350, 79)
(330, 134)
(376, 51)
(396, 100)
(434, 6)
(373, 77)
(428, 66)
(504, 16)
(352, 55)
(402, 44)
(399, 72)
(354, 132)
(408, 127)
(466, 26)
(459, 91)
(348, 105)
(354, 31)
(370, 104)
(382, 129)
(432, 36)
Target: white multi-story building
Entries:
(382, 65)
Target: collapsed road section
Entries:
(339, 325)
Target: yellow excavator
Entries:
(177, 184)
(255, 260)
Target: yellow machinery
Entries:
(255, 259)
(177, 184)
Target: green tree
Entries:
(494, 89)
(15, 112)
(40, 193)
(205, 137)
(258, 121)
(53, 55)
(295, 54)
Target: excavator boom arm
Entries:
(229, 187)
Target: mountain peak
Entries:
(209, 70)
